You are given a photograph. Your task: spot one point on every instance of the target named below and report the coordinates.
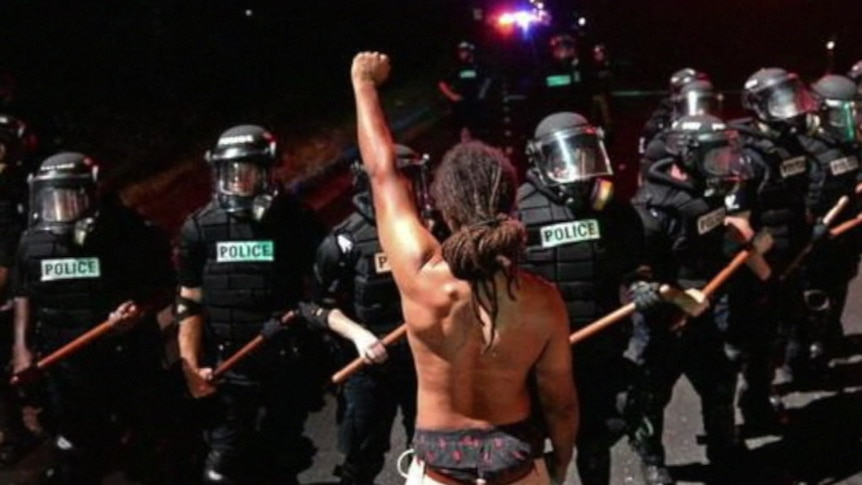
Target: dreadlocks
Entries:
(475, 188)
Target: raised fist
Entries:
(370, 67)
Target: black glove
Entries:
(315, 315)
(645, 295)
(271, 328)
(819, 231)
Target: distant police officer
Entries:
(354, 276)
(780, 106)
(834, 145)
(568, 81)
(682, 205)
(587, 244)
(662, 117)
(466, 87)
(83, 260)
(243, 260)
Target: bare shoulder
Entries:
(538, 288)
(541, 300)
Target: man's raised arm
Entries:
(405, 240)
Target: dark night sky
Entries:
(149, 62)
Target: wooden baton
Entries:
(250, 347)
(70, 348)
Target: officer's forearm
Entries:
(22, 321)
(189, 338)
(342, 325)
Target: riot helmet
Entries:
(563, 47)
(242, 162)
(837, 101)
(63, 192)
(413, 166)
(569, 157)
(709, 151)
(696, 97)
(684, 76)
(777, 97)
(466, 51)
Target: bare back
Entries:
(466, 380)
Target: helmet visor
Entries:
(62, 204)
(241, 179)
(788, 100)
(696, 103)
(725, 160)
(572, 155)
(841, 118)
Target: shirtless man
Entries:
(478, 327)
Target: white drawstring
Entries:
(399, 464)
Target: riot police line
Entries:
(263, 286)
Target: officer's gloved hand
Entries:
(645, 295)
(315, 315)
(819, 231)
(369, 347)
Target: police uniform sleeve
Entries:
(191, 255)
(656, 246)
(330, 269)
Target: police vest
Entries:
(70, 287)
(694, 226)
(780, 191)
(837, 169)
(376, 301)
(570, 250)
(246, 278)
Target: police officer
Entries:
(354, 276)
(585, 242)
(244, 259)
(781, 107)
(467, 87)
(568, 82)
(83, 260)
(662, 117)
(15, 148)
(682, 206)
(830, 267)
(696, 97)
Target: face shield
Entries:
(786, 101)
(570, 156)
(696, 103)
(241, 179)
(59, 205)
(723, 165)
(723, 159)
(841, 119)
